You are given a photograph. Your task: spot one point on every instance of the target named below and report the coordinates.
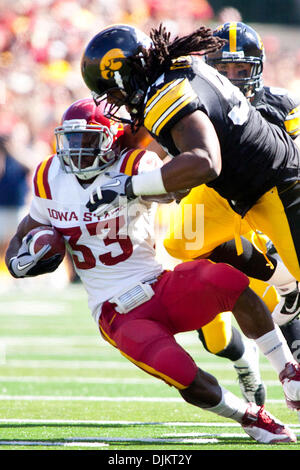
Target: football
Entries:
(45, 235)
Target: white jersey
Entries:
(110, 252)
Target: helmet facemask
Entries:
(84, 150)
(111, 111)
(248, 85)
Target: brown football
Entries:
(45, 235)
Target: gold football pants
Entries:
(204, 220)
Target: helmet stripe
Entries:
(232, 37)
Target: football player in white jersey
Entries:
(88, 143)
(138, 306)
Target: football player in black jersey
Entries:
(250, 167)
(241, 61)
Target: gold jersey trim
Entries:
(292, 122)
(166, 102)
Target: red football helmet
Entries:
(87, 141)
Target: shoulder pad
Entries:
(130, 161)
(166, 102)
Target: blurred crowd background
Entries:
(41, 43)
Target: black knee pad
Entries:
(251, 262)
(233, 351)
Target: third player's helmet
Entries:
(244, 45)
(107, 63)
(87, 141)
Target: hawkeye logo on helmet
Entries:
(111, 62)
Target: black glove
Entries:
(109, 195)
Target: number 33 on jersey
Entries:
(103, 249)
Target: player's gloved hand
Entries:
(26, 265)
(108, 195)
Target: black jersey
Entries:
(280, 107)
(256, 154)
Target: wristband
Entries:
(148, 184)
(129, 190)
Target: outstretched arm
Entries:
(200, 158)
(199, 162)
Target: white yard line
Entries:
(73, 422)
(50, 443)
(104, 441)
(71, 364)
(89, 398)
(87, 364)
(100, 398)
(94, 442)
(78, 380)
(53, 341)
(185, 339)
(84, 339)
(103, 380)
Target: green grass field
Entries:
(64, 388)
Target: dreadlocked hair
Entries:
(164, 51)
(159, 57)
